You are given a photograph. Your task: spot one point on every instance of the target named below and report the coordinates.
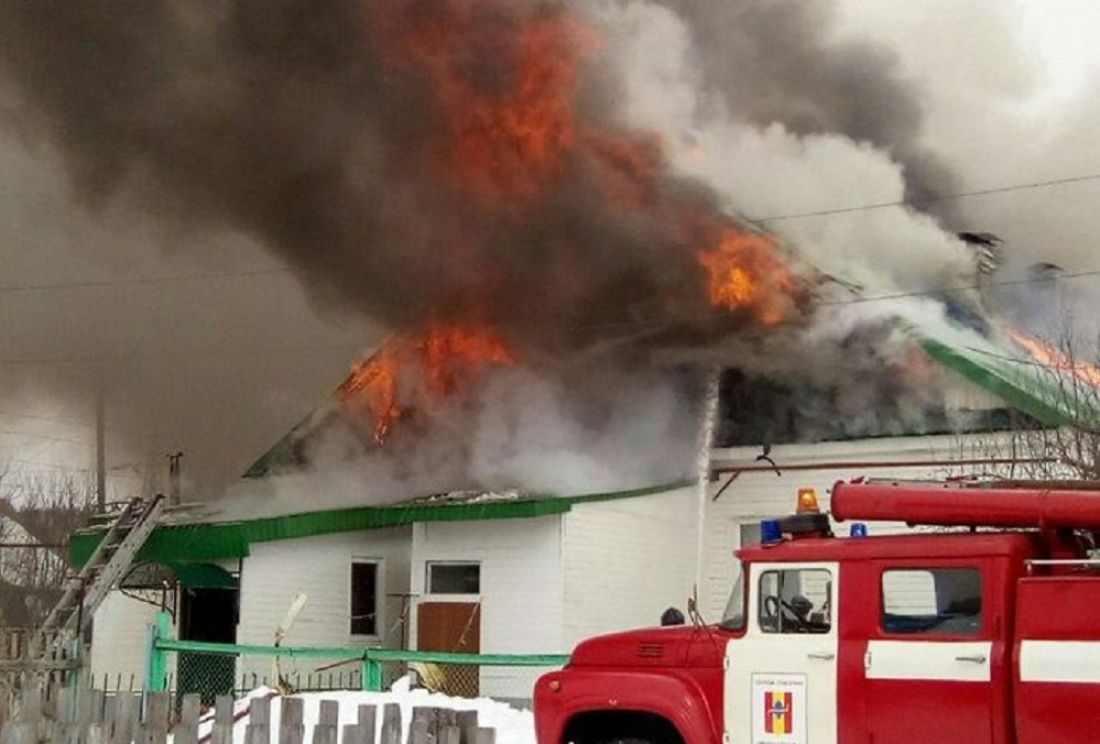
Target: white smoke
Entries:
(768, 171)
(520, 432)
(1009, 88)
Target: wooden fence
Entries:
(95, 718)
(33, 658)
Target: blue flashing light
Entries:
(771, 531)
(858, 530)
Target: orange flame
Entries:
(505, 83)
(450, 353)
(510, 144)
(745, 273)
(409, 373)
(510, 127)
(1049, 357)
(375, 381)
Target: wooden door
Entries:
(451, 627)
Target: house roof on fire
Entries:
(207, 532)
(986, 358)
(1051, 395)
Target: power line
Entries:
(958, 288)
(45, 419)
(208, 353)
(276, 270)
(70, 423)
(924, 201)
(49, 466)
(48, 286)
(604, 325)
(44, 437)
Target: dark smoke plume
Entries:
(320, 129)
(324, 130)
(777, 61)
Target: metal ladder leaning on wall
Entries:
(108, 563)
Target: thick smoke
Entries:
(782, 63)
(523, 430)
(317, 130)
(390, 152)
(774, 171)
(1009, 95)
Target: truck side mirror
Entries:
(672, 616)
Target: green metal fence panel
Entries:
(206, 647)
(156, 663)
(210, 669)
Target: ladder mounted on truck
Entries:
(126, 533)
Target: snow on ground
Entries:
(513, 726)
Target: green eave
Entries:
(1046, 409)
(228, 540)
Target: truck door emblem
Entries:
(777, 712)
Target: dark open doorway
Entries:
(207, 614)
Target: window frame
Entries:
(379, 596)
(429, 589)
(763, 571)
(934, 635)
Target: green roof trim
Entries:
(190, 542)
(172, 544)
(1001, 385)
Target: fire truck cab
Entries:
(982, 628)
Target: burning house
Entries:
(562, 264)
(513, 571)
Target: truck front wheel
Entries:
(621, 727)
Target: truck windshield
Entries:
(734, 616)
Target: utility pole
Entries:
(100, 450)
(174, 477)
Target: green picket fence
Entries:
(212, 669)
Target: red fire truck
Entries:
(982, 627)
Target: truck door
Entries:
(1058, 641)
(928, 662)
(781, 676)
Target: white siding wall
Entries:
(521, 587)
(756, 495)
(626, 561)
(120, 635)
(320, 566)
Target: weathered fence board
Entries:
(222, 731)
(368, 716)
(467, 726)
(186, 730)
(391, 724)
(64, 717)
(291, 728)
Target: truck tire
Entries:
(621, 727)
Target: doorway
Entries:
(451, 627)
(207, 614)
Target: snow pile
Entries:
(512, 726)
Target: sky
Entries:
(213, 348)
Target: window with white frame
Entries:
(453, 577)
(365, 590)
(795, 600)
